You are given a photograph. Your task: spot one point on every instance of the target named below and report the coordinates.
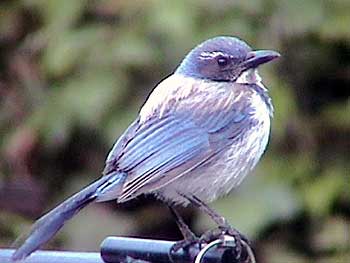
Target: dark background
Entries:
(73, 75)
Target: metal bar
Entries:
(121, 249)
(43, 256)
(125, 249)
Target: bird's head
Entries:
(223, 59)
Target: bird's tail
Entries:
(47, 226)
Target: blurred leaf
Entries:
(256, 203)
(337, 114)
(8, 26)
(233, 24)
(286, 16)
(83, 237)
(173, 19)
(337, 27)
(336, 21)
(70, 67)
(70, 48)
(130, 49)
(284, 105)
(52, 122)
(320, 193)
(82, 100)
(333, 235)
(58, 15)
(275, 252)
(118, 124)
(90, 95)
(289, 168)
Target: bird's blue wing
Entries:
(162, 148)
(158, 147)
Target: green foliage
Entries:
(73, 75)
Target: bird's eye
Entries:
(222, 61)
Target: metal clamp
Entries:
(226, 241)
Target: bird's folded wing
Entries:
(158, 147)
(165, 147)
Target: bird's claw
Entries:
(184, 244)
(240, 240)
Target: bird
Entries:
(197, 136)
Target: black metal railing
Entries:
(125, 249)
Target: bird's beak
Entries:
(256, 58)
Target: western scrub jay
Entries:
(197, 136)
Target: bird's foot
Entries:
(240, 241)
(184, 244)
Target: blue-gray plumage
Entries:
(200, 132)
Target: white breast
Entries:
(240, 158)
(229, 168)
(259, 134)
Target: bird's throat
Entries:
(250, 76)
